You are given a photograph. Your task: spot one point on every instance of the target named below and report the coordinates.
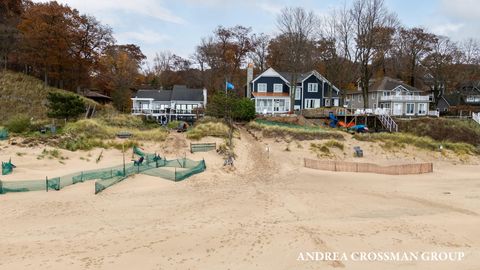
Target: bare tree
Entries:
(297, 27)
(368, 16)
(259, 51)
(414, 45)
(470, 51)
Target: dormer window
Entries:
(262, 87)
(278, 88)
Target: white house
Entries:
(181, 103)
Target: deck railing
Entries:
(405, 98)
(476, 117)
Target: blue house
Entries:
(271, 91)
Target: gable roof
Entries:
(157, 95)
(387, 83)
(182, 93)
(271, 73)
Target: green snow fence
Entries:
(175, 170)
(3, 134)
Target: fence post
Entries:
(1, 187)
(81, 177)
(175, 176)
(46, 183)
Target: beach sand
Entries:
(260, 215)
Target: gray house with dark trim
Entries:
(271, 92)
(181, 103)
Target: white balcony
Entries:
(405, 98)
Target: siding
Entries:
(315, 95)
(270, 81)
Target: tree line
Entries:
(349, 46)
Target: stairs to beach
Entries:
(476, 117)
(388, 122)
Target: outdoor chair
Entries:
(138, 162)
(358, 151)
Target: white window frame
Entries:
(298, 93)
(424, 112)
(406, 109)
(260, 89)
(275, 86)
(386, 93)
(313, 87)
(311, 103)
(359, 98)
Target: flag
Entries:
(230, 86)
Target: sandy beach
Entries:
(260, 215)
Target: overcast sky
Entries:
(178, 25)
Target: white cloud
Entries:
(143, 36)
(461, 9)
(100, 8)
(447, 29)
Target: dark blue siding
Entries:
(270, 81)
(316, 95)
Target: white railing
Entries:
(388, 122)
(405, 98)
(165, 112)
(434, 113)
(377, 111)
(476, 117)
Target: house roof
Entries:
(182, 93)
(94, 95)
(452, 99)
(385, 83)
(288, 76)
(158, 95)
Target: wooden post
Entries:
(46, 183)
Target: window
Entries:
(262, 87)
(410, 109)
(313, 87)
(278, 88)
(312, 103)
(386, 93)
(359, 98)
(422, 108)
(327, 102)
(298, 93)
(374, 95)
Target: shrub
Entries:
(64, 105)
(173, 124)
(244, 110)
(19, 123)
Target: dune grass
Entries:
(394, 141)
(442, 129)
(28, 94)
(297, 132)
(204, 129)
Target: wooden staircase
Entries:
(388, 122)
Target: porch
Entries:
(273, 105)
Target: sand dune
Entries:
(259, 216)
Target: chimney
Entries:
(249, 80)
(204, 97)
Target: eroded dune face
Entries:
(260, 215)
